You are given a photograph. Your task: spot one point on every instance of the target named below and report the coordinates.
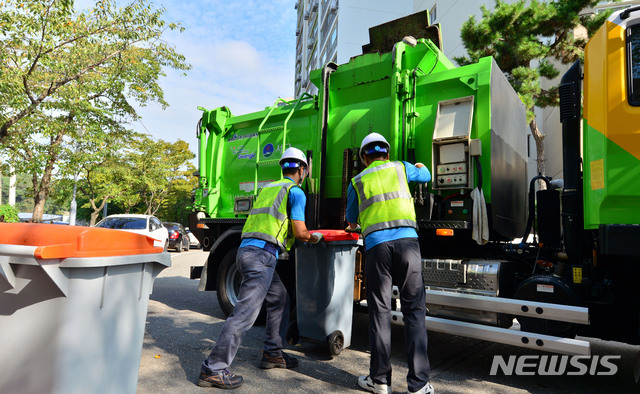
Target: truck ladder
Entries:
(564, 313)
(283, 127)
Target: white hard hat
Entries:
(293, 154)
(378, 144)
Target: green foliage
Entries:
(9, 214)
(177, 204)
(158, 167)
(138, 177)
(68, 77)
(525, 36)
(24, 197)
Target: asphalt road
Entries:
(183, 323)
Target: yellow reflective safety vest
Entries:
(384, 198)
(269, 219)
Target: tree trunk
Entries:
(41, 191)
(539, 138)
(96, 210)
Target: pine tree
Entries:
(526, 41)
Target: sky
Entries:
(242, 54)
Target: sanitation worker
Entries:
(276, 220)
(379, 199)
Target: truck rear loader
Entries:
(560, 261)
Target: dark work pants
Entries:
(397, 263)
(260, 282)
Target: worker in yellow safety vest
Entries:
(379, 199)
(275, 221)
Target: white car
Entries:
(147, 225)
(193, 241)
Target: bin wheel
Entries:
(336, 343)
(293, 335)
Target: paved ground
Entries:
(183, 323)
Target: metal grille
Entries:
(443, 271)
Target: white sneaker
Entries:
(426, 389)
(367, 383)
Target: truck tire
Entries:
(229, 279)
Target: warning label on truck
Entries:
(545, 288)
(597, 174)
(248, 186)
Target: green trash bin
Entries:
(73, 307)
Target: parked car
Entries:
(178, 238)
(147, 225)
(193, 241)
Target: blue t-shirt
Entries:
(296, 204)
(414, 174)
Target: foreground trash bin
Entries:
(73, 306)
(324, 289)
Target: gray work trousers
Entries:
(260, 282)
(397, 263)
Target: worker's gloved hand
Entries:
(318, 236)
(356, 229)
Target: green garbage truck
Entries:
(498, 251)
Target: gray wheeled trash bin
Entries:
(325, 276)
(73, 307)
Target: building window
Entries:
(433, 15)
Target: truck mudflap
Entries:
(507, 336)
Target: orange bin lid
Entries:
(55, 241)
(337, 235)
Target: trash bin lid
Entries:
(337, 235)
(58, 242)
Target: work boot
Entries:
(277, 361)
(426, 389)
(223, 379)
(367, 383)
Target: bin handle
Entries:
(30, 255)
(59, 251)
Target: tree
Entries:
(158, 166)
(138, 177)
(177, 205)
(523, 39)
(65, 71)
(105, 173)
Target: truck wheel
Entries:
(336, 343)
(229, 279)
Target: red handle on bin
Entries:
(337, 235)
